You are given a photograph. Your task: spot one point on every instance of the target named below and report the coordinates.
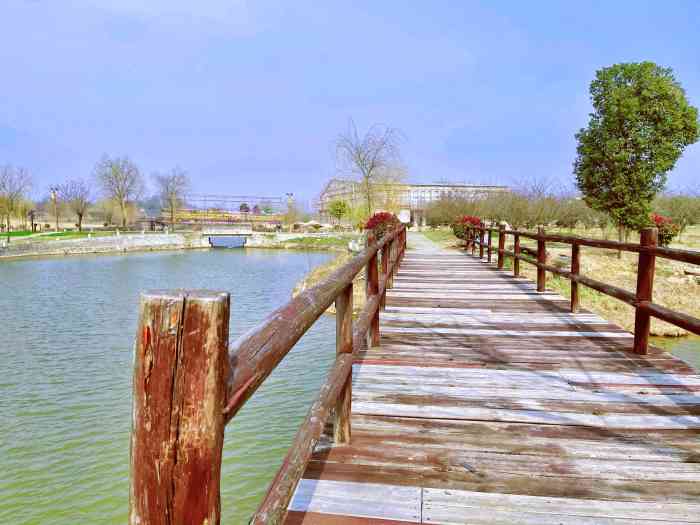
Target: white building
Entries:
(411, 199)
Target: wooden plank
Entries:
(364, 500)
(446, 506)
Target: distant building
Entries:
(412, 199)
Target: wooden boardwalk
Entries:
(488, 402)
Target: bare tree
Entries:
(371, 158)
(121, 181)
(15, 184)
(172, 188)
(76, 195)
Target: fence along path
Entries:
(488, 402)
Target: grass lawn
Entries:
(15, 234)
(321, 242)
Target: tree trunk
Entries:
(8, 228)
(620, 237)
(80, 222)
(122, 205)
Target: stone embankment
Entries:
(113, 244)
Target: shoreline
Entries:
(152, 242)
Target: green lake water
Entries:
(66, 334)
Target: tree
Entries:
(683, 210)
(121, 181)
(76, 195)
(256, 210)
(640, 125)
(172, 188)
(244, 208)
(338, 209)
(15, 184)
(373, 158)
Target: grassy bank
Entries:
(672, 288)
(322, 272)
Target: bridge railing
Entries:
(641, 300)
(188, 385)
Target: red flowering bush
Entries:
(667, 228)
(462, 225)
(381, 222)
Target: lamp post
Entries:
(54, 201)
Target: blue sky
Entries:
(249, 96)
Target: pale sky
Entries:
(248, 97)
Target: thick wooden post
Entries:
(488, 247)
(391, 261)
(481, 242)
(179, 392)
(516, 251)
(645, 288)
(372, 288)
(501, 245)
(343, 345)
(542, 259)
(575, 269)
(385, 272)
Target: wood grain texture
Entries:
(180, 373)
(500, 405)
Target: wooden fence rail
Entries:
(188, 385)
(641, 300)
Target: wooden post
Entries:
(516, 251)
(179, 392)
(392, 260)
(372, 288)
(575, 269)
(481, 242)
(645, 287)
(473, 239)
(488, 247)
(343, 345)
(501, 245)
(541, 258)
(385, 272)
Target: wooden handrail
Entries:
(188, 384)
(641, 300)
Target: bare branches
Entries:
(369, 157)
(76, 195)
(172, 188)
(120, 180)
(15, 184)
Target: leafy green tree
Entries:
(640, 125)
(683, 210)
(338, 209)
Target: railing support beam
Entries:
(575, 269)
(542, 259)
(179, 393)
(372, 288)
(645, 287)
(343, 345)
(501, 245)
(516, 252)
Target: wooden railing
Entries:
(642, 300)
(188, 385)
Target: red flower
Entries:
(380, 218)
(470, 219)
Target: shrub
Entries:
(667, 228)
(462, 224)
(381, 222)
